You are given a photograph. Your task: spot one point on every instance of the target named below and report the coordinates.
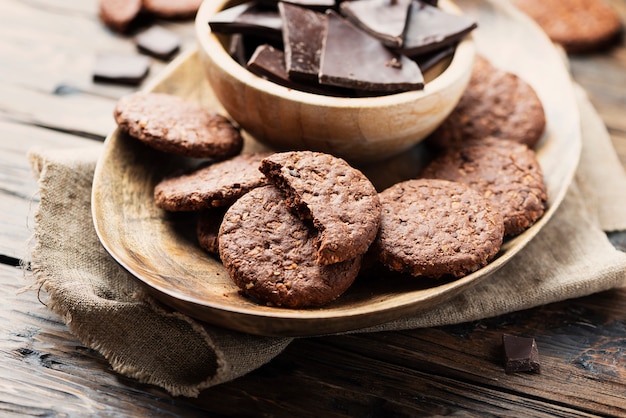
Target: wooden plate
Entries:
(160, 249)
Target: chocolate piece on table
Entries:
(303, 35)
(429, 28)
(269, 62)
(158, 42)
(352, 58)
(430, 59)
(521, 354)
(248, 19)
(121, 68)
(383, 19)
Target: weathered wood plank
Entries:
(455, 369)
(18, 186)
(47, 372)
(452, 370)
(438, 371)
(85, 115)
(58, 48)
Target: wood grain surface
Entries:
(47, 99)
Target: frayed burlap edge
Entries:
(234, 354)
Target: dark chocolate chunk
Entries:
(352, 58)
(383, 19)
(241, 47)
(248, 19)
(520, 354)
(429, 28)
(237, 49)
(158, 42)
(121, 68)
(430, 59)
(269, 62)
(303, 34)
(319, 5)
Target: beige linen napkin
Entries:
(103, 306)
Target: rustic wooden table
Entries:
(47, 98)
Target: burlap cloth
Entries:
(104, 308)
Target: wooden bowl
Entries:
(358, 129)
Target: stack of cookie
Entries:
(290, 228)
(300, 240)
(488, 143)
(293, 228)
(484, 182)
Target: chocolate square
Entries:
(319, 5)
(158, 42)
(303, 34)
(248, 19)
(429, 28)
(428, 60)
(351, 58)
(520, 354)
(121, 68)
(383, 19)
(269, 62)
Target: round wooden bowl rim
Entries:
(460, 65)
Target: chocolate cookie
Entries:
(578, 25)
(208, 227)
(496, 103)
(118, 14)
(172, 125)
(270, 254)
(340, 201)
(436, 228)
(505, 172)
(218, 184)
(169, 9)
